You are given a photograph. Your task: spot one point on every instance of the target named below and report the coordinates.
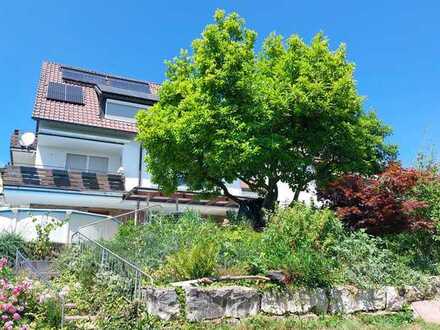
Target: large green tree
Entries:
(290, 112)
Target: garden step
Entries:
(428, 310)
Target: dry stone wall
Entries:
(208, 303)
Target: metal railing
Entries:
(106, 260)
(22, 263)
(140, 216)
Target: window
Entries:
(86, 163)
(76, 162)
(98, 164)
(120, 110)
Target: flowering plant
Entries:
(13, 297)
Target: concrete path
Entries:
(428, 310)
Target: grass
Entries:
(402, 320)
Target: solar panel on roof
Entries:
(84, 77)
(96, 79)
(56, 91)
(74, 94)
(65, 93)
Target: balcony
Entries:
(52, 178)
(15, 142)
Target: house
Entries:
(84, 155)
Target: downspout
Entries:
(140, 166)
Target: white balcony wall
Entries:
(52, 151)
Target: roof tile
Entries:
(88, 114)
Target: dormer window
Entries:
(122, 110)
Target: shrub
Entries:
(10, 243)
(42, 247)
(149, 245)
(381, 204)
(365, 261)
(297, 240)
(428, 191)
(419, 250)
(197, 261)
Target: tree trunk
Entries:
(253, 210)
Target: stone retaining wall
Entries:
(199, 304)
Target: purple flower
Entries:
(5, 317)
(12, 309)
(3, 262)
(16, 316)
(9, 325)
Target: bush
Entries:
(428, 191)
(170, 240)
(381, 204)
(42, 247)
(419, 250)
(149, 245)
(10, 243)
(297, 240)
(198, 261)
(365, 261)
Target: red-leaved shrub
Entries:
(380, 204)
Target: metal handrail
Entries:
(110, 260)
(99, 222)
(137, 210)
(115, 218)
(136, 268)
(128, 269)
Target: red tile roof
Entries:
(88, 114)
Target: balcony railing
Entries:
(32, 176)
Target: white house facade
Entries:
(84, 155)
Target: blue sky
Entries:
(393, 43)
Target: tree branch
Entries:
(227, 193)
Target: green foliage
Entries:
(227, 113)
(200, 260)
(42, 247)
(402, 320)
(113, 310)
(428, 191)
(365, 261)
(81, 265)
(309, 244)
(419, 251)
(9, 244)
(149, 245)
(297, 240)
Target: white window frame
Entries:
(120, 118)
(87, 169)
